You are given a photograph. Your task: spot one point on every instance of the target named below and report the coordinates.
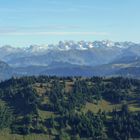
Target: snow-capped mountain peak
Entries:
(67, 45)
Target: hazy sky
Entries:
(25, 22)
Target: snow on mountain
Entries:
(101, 55)
(68, 45)
(81, 53)
(36, 48)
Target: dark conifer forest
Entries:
(71, 108)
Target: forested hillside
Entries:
(70, 108)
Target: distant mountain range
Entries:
(102, 58)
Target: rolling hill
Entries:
(39, 108)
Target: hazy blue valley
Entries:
(99, 58)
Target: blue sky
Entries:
(25, 22)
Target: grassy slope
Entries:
(7, 136)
